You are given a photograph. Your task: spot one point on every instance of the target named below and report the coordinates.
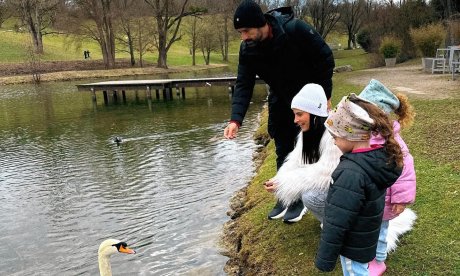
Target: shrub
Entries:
(428, 38)
(364, 39)
(390, 46)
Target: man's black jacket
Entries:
(296, 55)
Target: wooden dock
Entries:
(166, 86)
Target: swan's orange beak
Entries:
(126, 250)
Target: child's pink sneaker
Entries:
(376, 268)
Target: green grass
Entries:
(11, 46)
(58, 47)
(14, 46)
(431, 248)
(356, 58)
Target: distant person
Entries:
(356, 197)
(286, 53)
(84, 54)
(402, 192)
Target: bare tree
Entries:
(224, 23)
(168, 15)
(324, 14)
(449, 10)
(145, 39)
(33, 60)
(194, 26)
(93, 19)
(299, 7)
(129, 14)
(125, 21)
(5, 12)
(195, 21)
(37, 16)
(352, 17)
(208, 39)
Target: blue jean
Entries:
(315, 202)
(353, 268)
(381, 255)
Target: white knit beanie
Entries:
(312, 99)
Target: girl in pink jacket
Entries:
(402, 192)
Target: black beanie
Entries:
(248, 15)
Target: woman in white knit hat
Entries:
(306, 172)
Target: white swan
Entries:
(106, 249)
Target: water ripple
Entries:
(65, 185)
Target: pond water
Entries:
(65, 186)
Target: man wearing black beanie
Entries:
(286, 53)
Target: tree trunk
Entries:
(206, 53)
(162, 59)
(108, 36)
(162, 52)
(141, 62)
(194, 41)
(208, 58)
(36, 41)
(38, 29)
(226, 37)
(131, 51)
(141, 51)
(130, 44)
(350, 40)
(34, 30)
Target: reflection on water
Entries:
(65, 185)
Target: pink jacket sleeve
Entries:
(404, 189)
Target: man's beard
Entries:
(252, 43)
(256, 41)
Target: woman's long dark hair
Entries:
(312, 138)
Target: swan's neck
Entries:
(104, 266)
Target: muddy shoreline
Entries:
(231, 236)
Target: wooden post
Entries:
(115, 96)
(136, 96)
(123, 95)
(157, 93)
(148, 93)
(164, 94)
(93, 93)
(177, 91)
(106, 97)
(183, 92)
(231, 89)
(170, 94)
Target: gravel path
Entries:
(412, 81)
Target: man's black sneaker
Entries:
(295, 212)
(278, 211)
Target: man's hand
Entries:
(231, 130)
(329, 105)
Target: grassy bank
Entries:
(266, 247)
